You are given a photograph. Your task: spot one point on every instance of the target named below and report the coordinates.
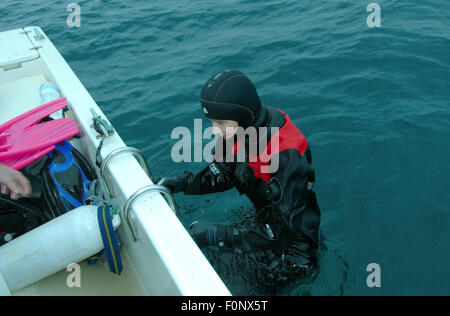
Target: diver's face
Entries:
(224, 128)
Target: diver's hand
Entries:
(174, 184)
(300, 259)
(204, 234)
(13, 182)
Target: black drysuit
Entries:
(288, 216)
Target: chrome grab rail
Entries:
(144, 190)
(120, 151)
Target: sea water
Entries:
(372, 101)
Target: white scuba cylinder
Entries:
(69, 238)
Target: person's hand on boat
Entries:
(14, 183)
(174, 184)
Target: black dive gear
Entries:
(61, 177)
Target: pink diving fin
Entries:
(22, 138)
(23, 161)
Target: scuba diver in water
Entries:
(287, 216)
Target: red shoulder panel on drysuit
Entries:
(288, 137)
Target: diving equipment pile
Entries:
(66, 220)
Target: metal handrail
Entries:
(120, 151)
(144, 190)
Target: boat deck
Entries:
(20, 96)
(95, 280)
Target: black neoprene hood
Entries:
(230, 95)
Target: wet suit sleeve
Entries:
(216, 177)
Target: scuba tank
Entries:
(64, 180)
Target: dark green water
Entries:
(373, 103)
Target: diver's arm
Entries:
(290, 218)
(216, 177)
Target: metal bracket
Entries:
(101, 126)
